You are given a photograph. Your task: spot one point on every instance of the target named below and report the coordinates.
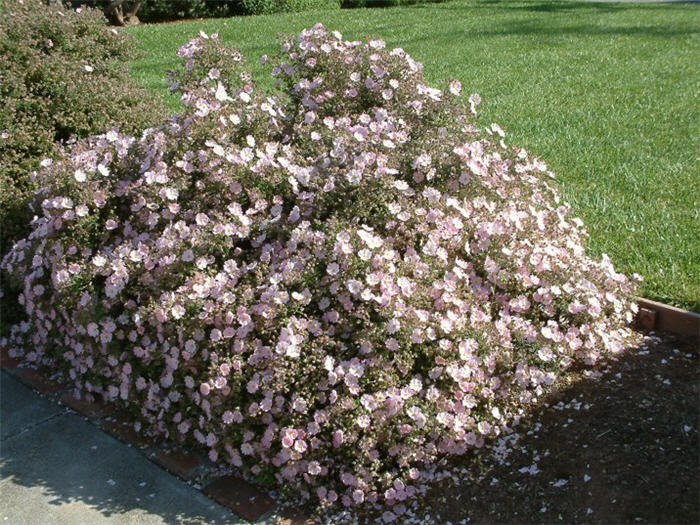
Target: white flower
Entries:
(221, 94)
(177, 311)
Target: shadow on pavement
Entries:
(56, 467)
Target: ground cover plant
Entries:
(330, 287)
(604, 91)
(63, 74)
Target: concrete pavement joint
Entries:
(32, 426)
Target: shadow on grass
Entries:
(539, 29)
(568, 6)
(535, 28)
(554, 6)
(513, 23)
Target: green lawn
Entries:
(607, 94)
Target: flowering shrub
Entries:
(63, 74)
(331, 288)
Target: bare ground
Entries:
(618, 448)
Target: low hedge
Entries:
(263, 7)
(349, 4)
(63, 75)
(167, 10)
(152, 11)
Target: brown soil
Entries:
(619, 448)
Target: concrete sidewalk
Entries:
(57, 468)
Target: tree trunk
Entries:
(132, 12)
(116, 15)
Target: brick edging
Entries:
(653, 315)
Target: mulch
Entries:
(620, 446)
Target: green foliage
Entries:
(385, 3)
(166, 10)
(264, 7)
(162, 10)
(63, 74)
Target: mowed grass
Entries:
(606, 94)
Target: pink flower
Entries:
(484, 427)
(221, 94)
(177, 311)
(314, 468)
(358, 496)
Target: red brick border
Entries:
(295, 517)
(7, 362)
(32, 378)
(241, 497)
(125, 432)
(659, 316)
(91, 409)
(178, 462)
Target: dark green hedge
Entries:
(261, 7)
(385, 3)
(166, 10)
